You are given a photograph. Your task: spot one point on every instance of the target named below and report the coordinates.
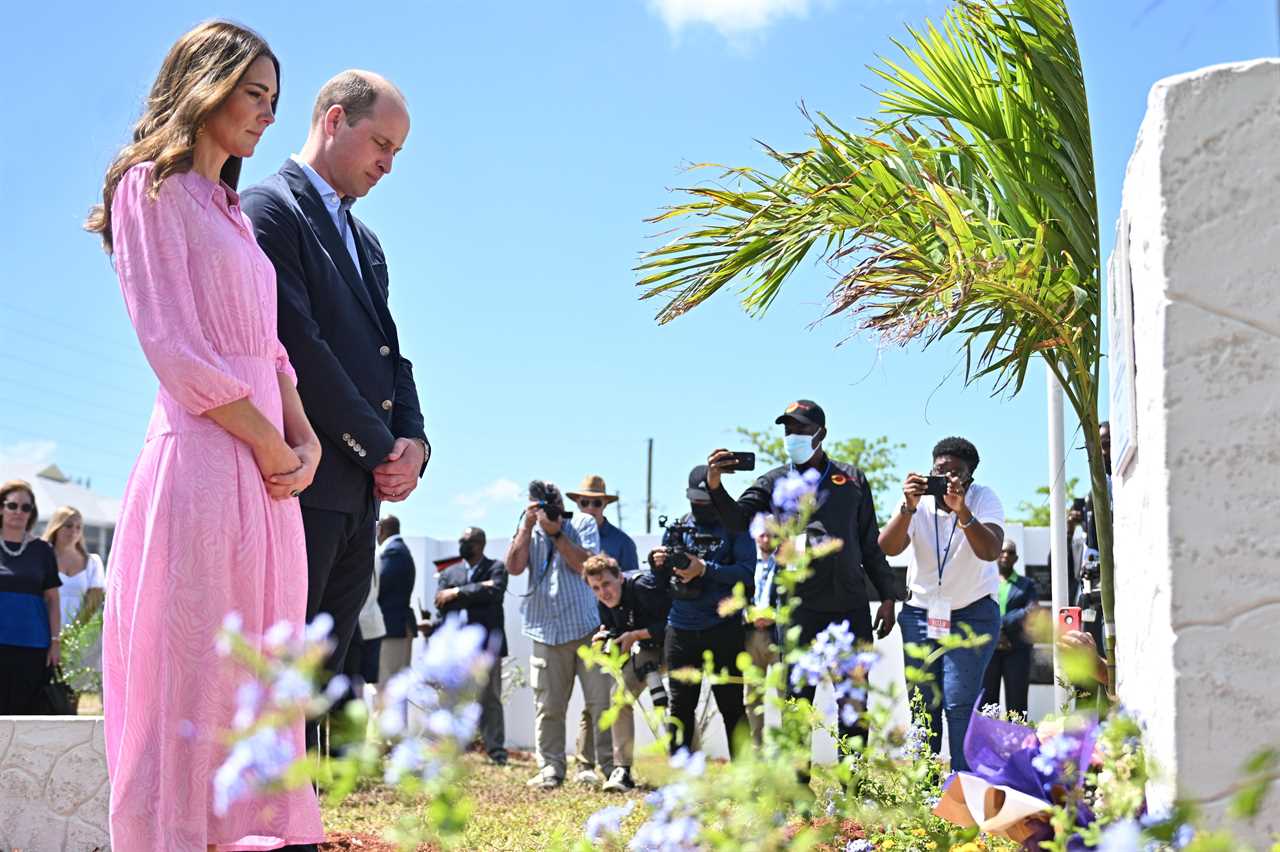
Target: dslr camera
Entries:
(1089, 598)
(647, 672)
(548, 498)
(681, 540)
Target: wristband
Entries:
(972, 520)
(905, 510)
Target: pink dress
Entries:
(198, 535)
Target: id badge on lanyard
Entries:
(938, 618)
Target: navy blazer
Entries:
(357, 389)
(396, 574)
(482, 604)
(1022, 597)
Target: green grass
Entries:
(506, 814)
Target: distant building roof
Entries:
(53, 488)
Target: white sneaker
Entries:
(546, 779)
(619, 781)
(588, 777)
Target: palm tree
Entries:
(966, 209)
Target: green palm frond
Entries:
(967, 206)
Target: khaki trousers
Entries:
(552, 669)
(396, 656)
(624, 727)
(762, 656)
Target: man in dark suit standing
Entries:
(396, 575)
(477, 586)
(1011, 662)
(357, 389)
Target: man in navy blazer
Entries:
(396, 576)
(356, 387)
(1011, 662)
(477, 586)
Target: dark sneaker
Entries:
(498, 758)
(619, 781)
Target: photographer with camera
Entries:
(836, 590)
(559, 617)
(633, 616)
(699, 563)
(952, 530)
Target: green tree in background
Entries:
(877, 458)
(1035, 513)
(966, 210)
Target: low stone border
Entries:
(53, 784)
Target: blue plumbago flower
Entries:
(248, 700)
(859, 845)
(692, 765)
(915, 744)
(849, 715)
(833, 654)
(253, 764)
(232, 624)
(759, 525)
(278, 635)
(790, 490)
(1124, 836)
(336, 688)
(291, 686)
(931, 802)
(607, 822)
(410, 757)
(1057, 755)
(1183, 836)
(454, 655)
(187, 729)
(319, 629)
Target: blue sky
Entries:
(543, 135)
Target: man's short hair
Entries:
(959, 448)
(391, 524)
(352, 91)
(597, 565)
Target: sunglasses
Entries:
(14, 506)
(594, 503)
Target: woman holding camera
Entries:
(952, 530)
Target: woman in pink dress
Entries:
(210, 524)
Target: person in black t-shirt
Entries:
(836, 589)
(30, 615)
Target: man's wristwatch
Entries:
(904, 509)
(972, 520)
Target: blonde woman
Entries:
(83, 578)
(210, 522)
(28, 602)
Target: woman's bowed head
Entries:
(214, 97)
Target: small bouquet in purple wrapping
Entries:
(1017, 776)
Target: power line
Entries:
(68, 373)
(66, 344)
(25, 405)
(89, 408)
(95, 448)
(48, 320)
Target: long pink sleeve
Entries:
(152, 256)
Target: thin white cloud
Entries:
(734, 19)
(39, 453)
(476, 504)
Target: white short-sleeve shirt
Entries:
(73, 589)
(935, 535)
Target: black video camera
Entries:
(548, 498)
(681, 540)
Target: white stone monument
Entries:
(1197, 508)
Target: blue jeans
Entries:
(956, 687)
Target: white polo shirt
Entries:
(936, 536)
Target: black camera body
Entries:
(682, 540)
(549, 500)
(649, 672)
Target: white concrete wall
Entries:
(1198, 544)
(53, 784)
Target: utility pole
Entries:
(648, 493)
(1057, 520)
(617, 508)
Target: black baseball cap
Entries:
(698, 485)
(804, 411)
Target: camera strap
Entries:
(535, 580)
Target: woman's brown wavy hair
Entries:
(202, 69)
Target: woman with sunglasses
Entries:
(30, 614)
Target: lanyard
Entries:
(765, 581)
(937, 541)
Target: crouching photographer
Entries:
(699, 563)
(633, 617)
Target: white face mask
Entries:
(800, 448)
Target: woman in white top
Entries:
(83, 578)
(952, 545)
